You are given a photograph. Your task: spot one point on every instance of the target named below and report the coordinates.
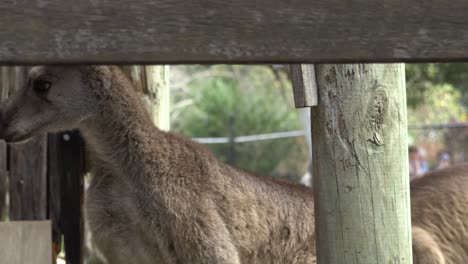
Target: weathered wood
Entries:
(304, 85)
(66, 168)
(4, 87)
(361, 183)
(153, 84)
(25, 242)
(58, 31)
(28, 180)
(28, 171)
(157, 95)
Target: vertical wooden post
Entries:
(28, 171)
(158, 95)
(305, 95)
(361, 183)
(153, 84)
(65, 170)
(4, 88)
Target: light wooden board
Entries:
(176, 31)
(26, 242)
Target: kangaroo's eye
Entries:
(41, 86)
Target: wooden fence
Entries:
(372, 104)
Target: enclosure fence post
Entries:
(4, 87)
(361, 182)
(153, 84)
(27, 168)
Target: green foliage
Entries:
(252, 97)
(422, 79)
(441, 105)
(438, 93)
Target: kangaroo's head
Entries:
(52, 99)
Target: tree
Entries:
(422, 79)
(208, 97)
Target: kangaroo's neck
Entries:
(121, 134)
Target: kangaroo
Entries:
(439, 214)
(157, 197)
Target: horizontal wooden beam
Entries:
(178, 31)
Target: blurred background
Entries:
(216, 103)
(220, 105)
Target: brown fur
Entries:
(439, 213)
(160, 198)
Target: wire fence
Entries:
(250, 138)
(440, 126)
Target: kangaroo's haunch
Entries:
(439, 216)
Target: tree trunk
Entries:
(361, 182)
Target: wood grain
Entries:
(25, 242)
(304, 85)
(4, 88)
(361, 180)
(28, 180)
(28, 170)
(152, 82)
(176, 31)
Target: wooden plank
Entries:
(28, 171)
(25, 242)
(66, 168)
(4, 88)
(28, 180)
(175, 31)
(361, 184)
(304, 85)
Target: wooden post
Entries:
(153, 84)
(28, 170)
(65, 170)
(4, 88)
(361, 183)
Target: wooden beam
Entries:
(175, 31)
(361, 180)
(25, 242)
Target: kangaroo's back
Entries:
(439, 214)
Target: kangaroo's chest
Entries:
(119, 227)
